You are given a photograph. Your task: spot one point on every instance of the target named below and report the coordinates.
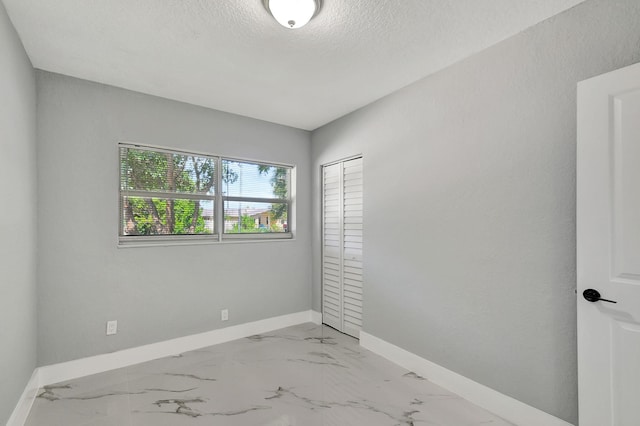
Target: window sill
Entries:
(236, 239)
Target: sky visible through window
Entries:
(249, 181)
(246, 180)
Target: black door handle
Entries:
(594, 296)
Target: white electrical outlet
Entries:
(112, 327)
(224, 315)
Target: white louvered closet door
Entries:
(342, 246)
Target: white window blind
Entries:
(164, 193)
(256, 198)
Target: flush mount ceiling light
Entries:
(293, 13)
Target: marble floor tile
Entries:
(306, 375)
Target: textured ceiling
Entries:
(232, 56)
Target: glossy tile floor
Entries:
(306, 375)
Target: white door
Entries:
(342, 238)
(608, 257)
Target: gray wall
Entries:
(470, 204)
(17, 217)
(155, 293)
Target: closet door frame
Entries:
(340, 326)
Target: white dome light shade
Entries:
(292, 13)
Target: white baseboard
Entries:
(21, 412)
(316, 317)
(502, 405)
(100, 363)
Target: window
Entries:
(256, 198)
(167, 195)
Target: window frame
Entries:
(258, 235)
(218, 199)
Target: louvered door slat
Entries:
(352, 214)
(332, 246)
